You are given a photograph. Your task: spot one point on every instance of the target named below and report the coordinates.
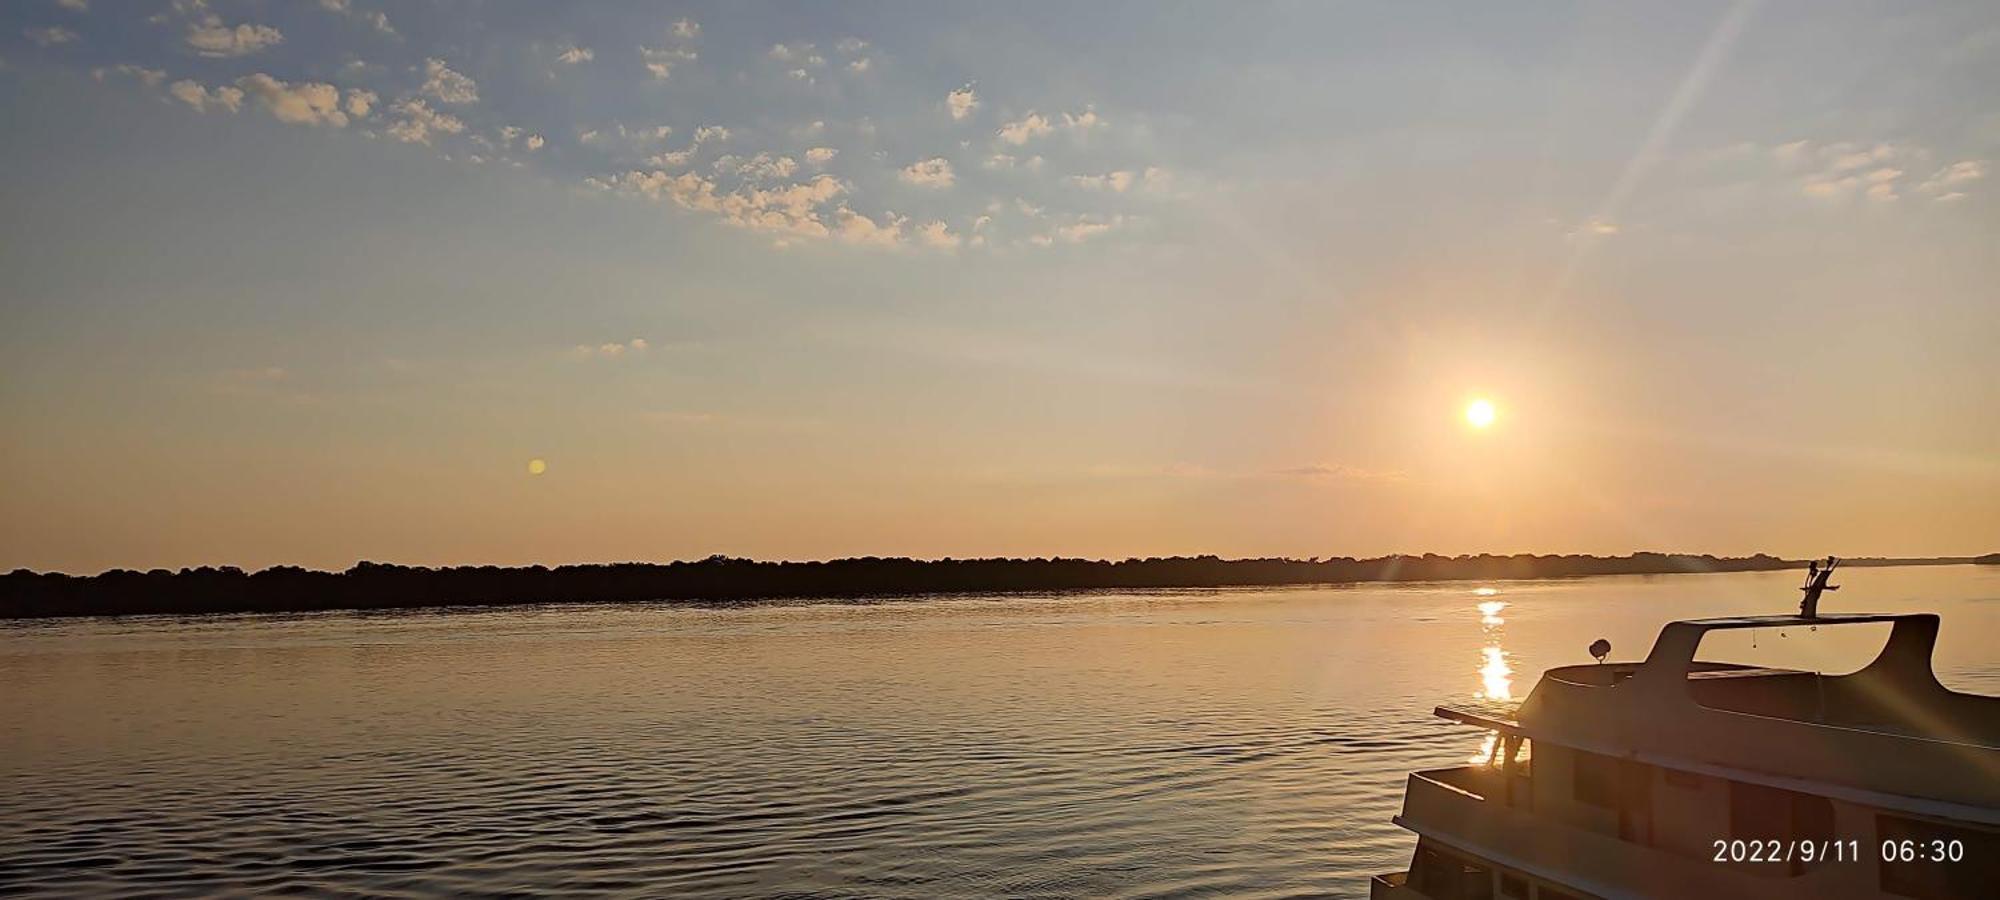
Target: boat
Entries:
(1672, 777)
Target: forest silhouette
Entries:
(721, 580)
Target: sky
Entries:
(309, 283)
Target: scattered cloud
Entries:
(574, 54)
(151, 78)
(374, 19)
(1947, 184)
(307, 103)
(209, 37)
(1083, 121)
(859, 65)
(446, 86)
(360, 102)
(820, 156)
(1116, 182)
(50, 36)
(80, 6)
(225, 98)
(930, 173)
(612, 349)
(1031, 126)
(1330, 471)
(417, 123)
(961, 102)
(660, 61)
(938, 235)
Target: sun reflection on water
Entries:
(1496, 676)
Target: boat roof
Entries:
(1719, 623)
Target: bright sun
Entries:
(1480, 413)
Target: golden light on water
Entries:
(537, 466)
(1496, 677)
(1480, 413)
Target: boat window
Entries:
(1447, 876)
(1830, 649)
(1932, 860)
(1513, 887)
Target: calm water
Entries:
(1248, 743)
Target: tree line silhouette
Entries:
(722, 579)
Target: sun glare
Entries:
(1480, 413)
(537, 467)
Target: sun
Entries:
(1480, 413)
(537, 467)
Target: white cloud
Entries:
(446, 86)
(416, 122)
(938, 235)
(151, 78)
(210, 37)
(224, 98)
(802, 53)
(820, 156)
(534, 142)
(793, 209)
(762, 167)
(961, 102)
(74, 5)
(50, 36)
(1945, 184)
(1117, 182)
(859, 65)
(573, 54)
(1084, 121)
(306, 103)
(999, 161)
(1033, 125)
(660, 61)
(851, 45)
(374, 19)
(707, 133)
(855, 228)
(360, 102)
(930, 173)
(687, 29)
(612, 349)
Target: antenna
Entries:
(1816, 576)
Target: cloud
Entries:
(794, 209)
(961, 102)
(660, 61)
(80, 6)
(416, 122)
(211, 38)
(938, 235)
(1029, 127)
(820, 156)
(930, 173)
(447, 86)
(762, 167)
(151, 78)
(50, 36)
(360, 102)
(687, 29)
(1343, 472)
(307, 103)
(1947, 184)
(225, 98)
(799, 53)
(374, 19)
(573, 54)
(612, 349)
(859, 65)
(1116, 182)
(707, 133)
(851, 45)
(1084, 229)
(855, 228)
(1084, 121)
(534, 142)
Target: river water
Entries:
(1215, 742)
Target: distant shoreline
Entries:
(376, 586)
